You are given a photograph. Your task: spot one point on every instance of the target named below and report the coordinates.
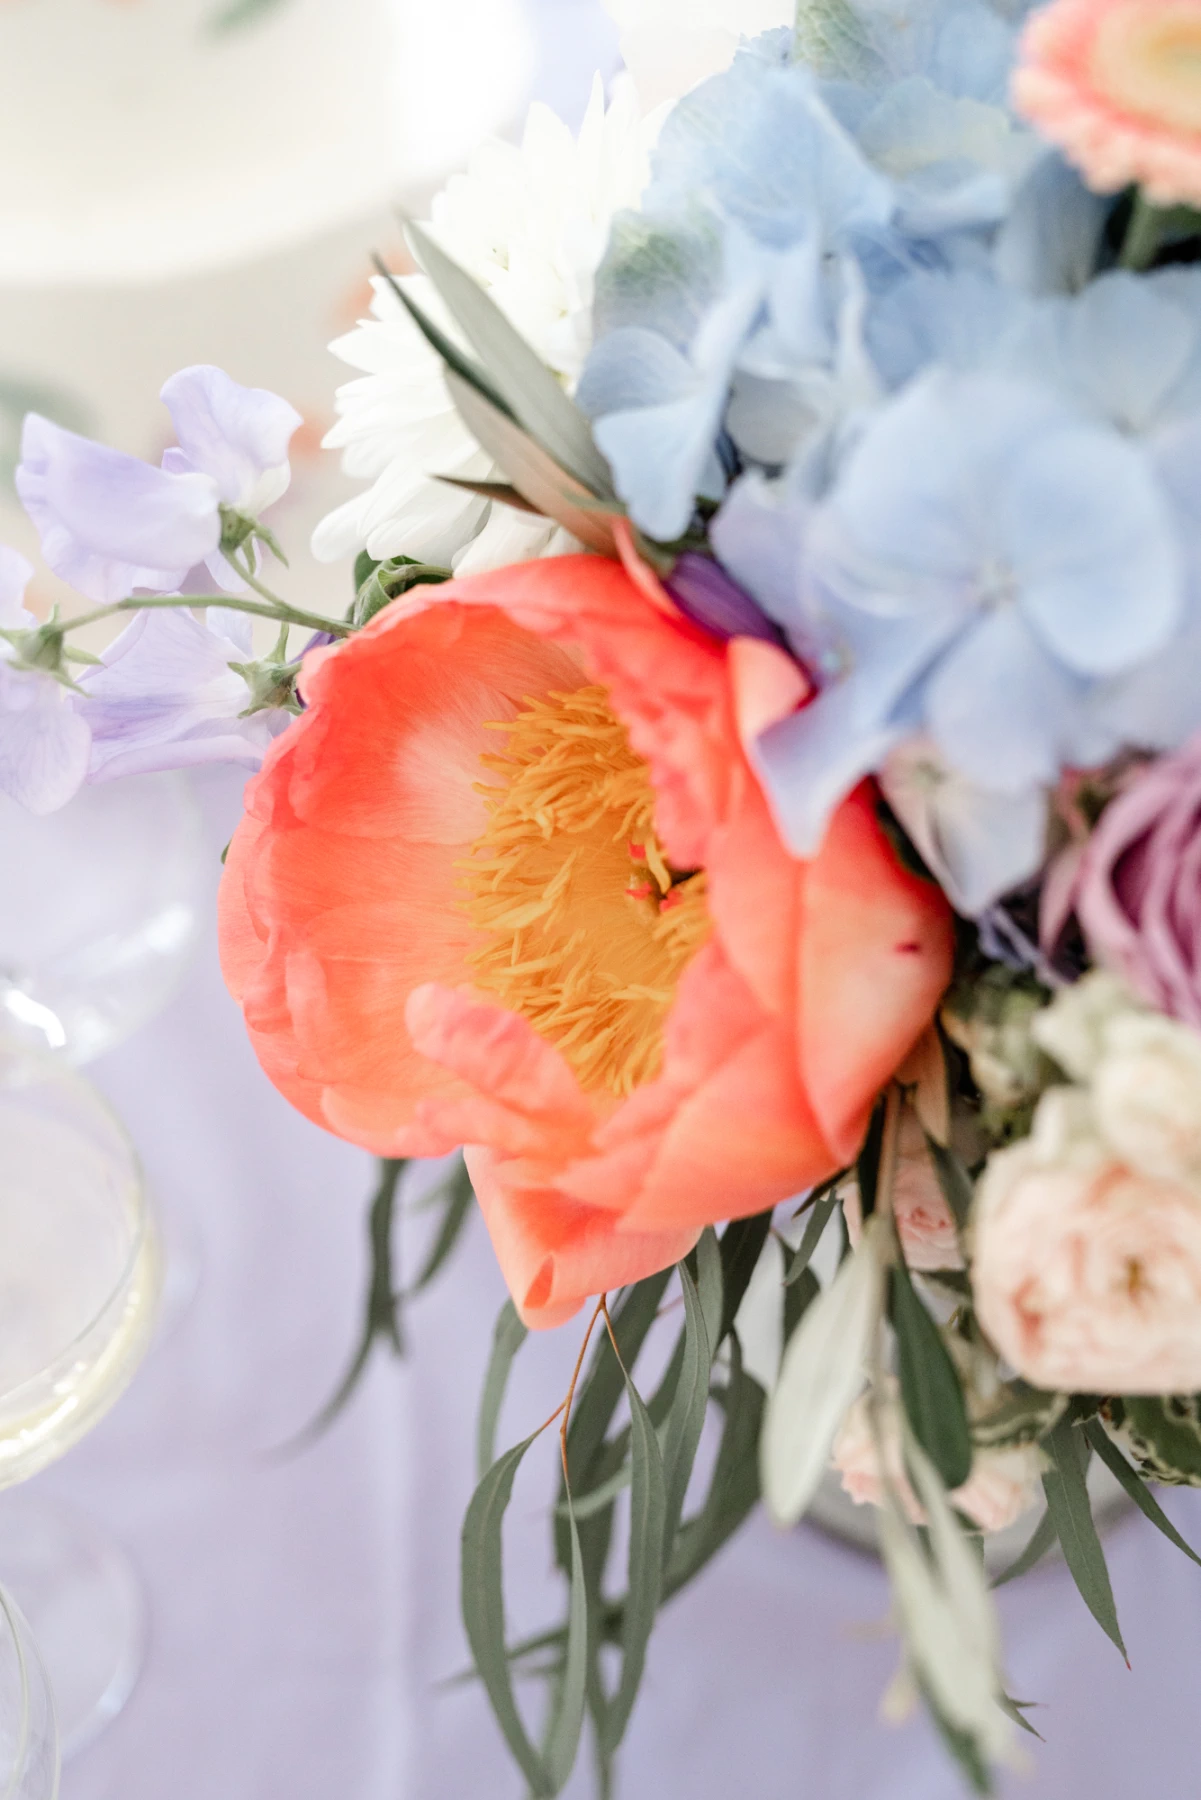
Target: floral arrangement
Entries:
(756, 786)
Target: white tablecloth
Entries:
(305, 1609)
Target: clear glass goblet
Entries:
(99, 912)
(28, 1738)
(100, 909)
(79, 1281)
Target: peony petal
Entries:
(875, 956)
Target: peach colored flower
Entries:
(1087, 1273)
(1003, 1484)
(509, 882)
(1117, 85)
(924, 1221)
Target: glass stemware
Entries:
(78, 1288)
(99, 912)
(28, 1739)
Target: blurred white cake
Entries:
(171, 196)
(139, 140)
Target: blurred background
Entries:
(190, 181)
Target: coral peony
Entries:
(509, 883)
(1087, 1272)
(1117, 84)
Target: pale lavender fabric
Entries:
(305, 1610)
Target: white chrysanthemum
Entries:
(530, 222)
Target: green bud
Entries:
(41, 647)
(991, 1022)
(384, 582)
(237, 528)
(272, 685)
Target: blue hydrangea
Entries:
(958, 469)
(785, 201)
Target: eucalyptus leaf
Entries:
(1135, 1486)
(508, 1336)
(531, 392)
(498, 491)
(742, 1244)
(593, 1462)
(950, 1621)
(482, 1594)
(1071, 1513)
(1017, 1710)
(710, 1279)
(1041, 1540)
(567, 1715)
(930, 1388)
(457, 1200)
(734, 1486)
(454, 359)
(686, 1419)
(532, 471)
(867, 1166)
(648, 1519)
(821, 1372)
(814, 1231)
(798, 1298)
(382, 1313)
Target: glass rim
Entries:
(57, 1069)
(16, 1633)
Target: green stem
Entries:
(245, 568)
(1142, 235)
(278, 610)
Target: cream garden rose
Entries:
(1086, 1270)
(1143, 1072)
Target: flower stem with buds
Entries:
(271, 608)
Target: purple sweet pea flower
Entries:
(44, 744)
(238, 437)
(167, 698)
(110, 523)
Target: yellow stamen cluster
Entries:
(586, 928)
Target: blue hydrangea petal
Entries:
(761, 142)
(1050, 240)
(809, 762)
(996, 703)
(1093, 549)
(980, 844)
(1120, 349)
